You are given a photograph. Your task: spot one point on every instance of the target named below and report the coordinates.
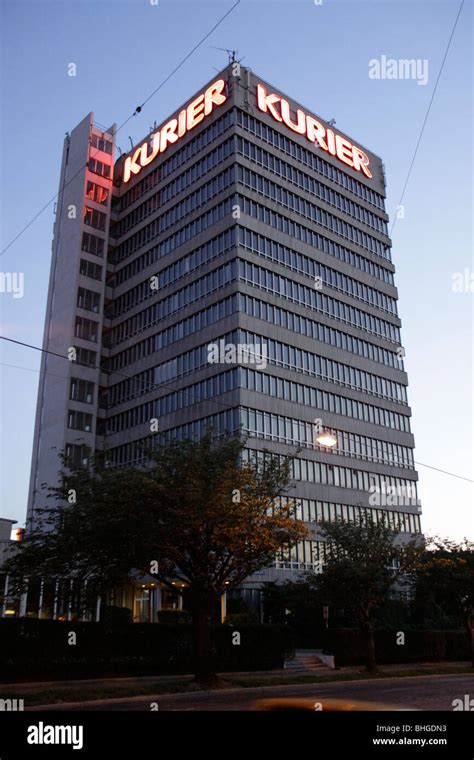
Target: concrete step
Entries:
(305, 660)
(304, 664)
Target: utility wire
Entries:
(198, 400)
(428, 111)
(137, 110)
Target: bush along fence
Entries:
(391, 647)
(47, 648)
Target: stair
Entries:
(304, 661)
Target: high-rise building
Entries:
(232, 270)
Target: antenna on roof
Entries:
(231, 53)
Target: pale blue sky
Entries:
(319, 55)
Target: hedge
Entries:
(40, 648)
(348, 646)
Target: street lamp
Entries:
(326, 438)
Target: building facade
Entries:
(232, 270)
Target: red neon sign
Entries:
(171, 132)
(314, 131)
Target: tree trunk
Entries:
(469, 625)
(203, 649)
(368, 632)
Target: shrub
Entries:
(174, 616)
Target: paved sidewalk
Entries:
(24, 687)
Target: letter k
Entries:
(266, 102)
(131, 166)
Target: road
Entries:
(418, 692)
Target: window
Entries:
(80, 421)
(97, 167)
(86, 357)
(76, 455)
(88, 299)
(89, 269)
(96, 192)
(81, 390)
(101, 144)
(94, 218)
(87, 329)
(92, 244)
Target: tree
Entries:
(446, 580)
(197, 518)
(366, 561)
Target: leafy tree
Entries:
(197, 519)
(366, 562)
(446, 582)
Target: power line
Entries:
(137, 110)
(198, 400)
(428, 110)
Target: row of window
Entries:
(324, 334)
(211, 250)
(221, 243)
(178, 331)
(260, 310)
(259, 382)
(304, 470)
(179, 211)
(267, 249)
(304, 555)
(265, 279)
(341, 477)
(277, 387)
(304, 181)
(198, 225)
(176, 186)
(182, 156)
(263, 424)
(309, 158)
(276, 427)
(310, 511)
(327, 369)
(196, 290)
(179, 366)
(303, 208)
(291, 259)
(277, 353)
(172, 402)
(312, 238)
(135, 452)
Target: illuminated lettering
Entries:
(174, 129)
(168, 134)
(266, 102)
(300, 125)
(314, 131)
(195, 112)
(214, 96)
(344, 150)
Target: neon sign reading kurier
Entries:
(315, 132)
(174, 129)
